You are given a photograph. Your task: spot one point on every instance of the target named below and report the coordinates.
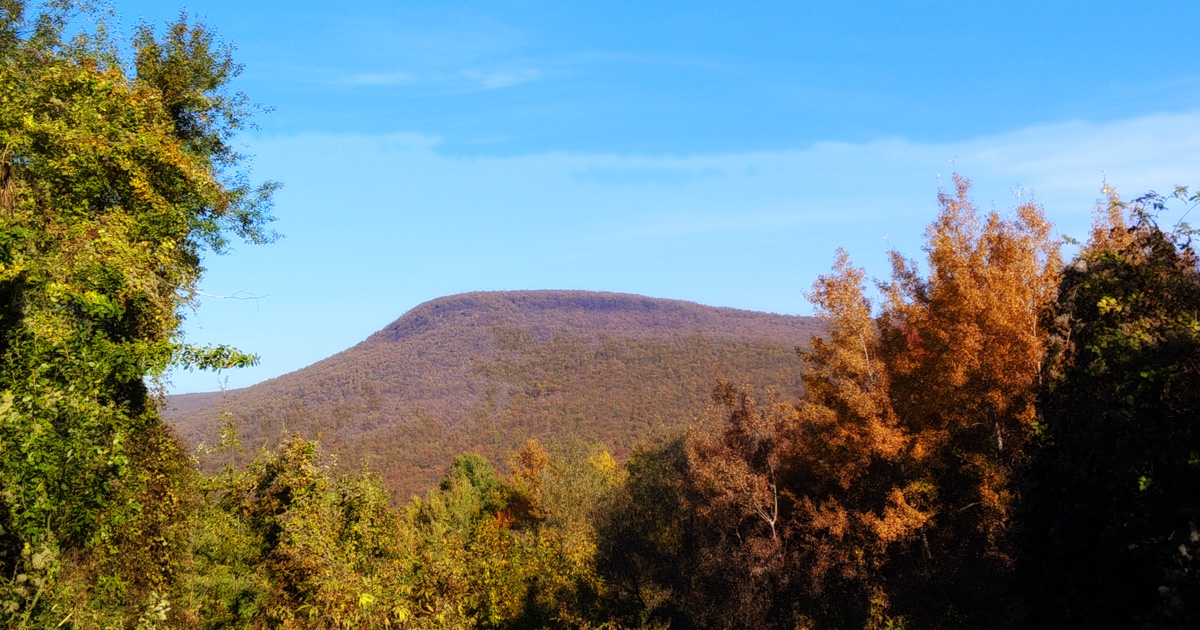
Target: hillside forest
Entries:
(1000, 439)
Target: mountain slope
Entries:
(487, 371)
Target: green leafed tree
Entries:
(115, 179)
(1110, 517)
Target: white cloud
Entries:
(383, 78)
(464, 80)
(501, 79)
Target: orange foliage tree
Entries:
(845, 458)
(964, 348)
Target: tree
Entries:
(650, 537)
(1110, 514)
(114, 181)
(963, 348)
(845, 464)
(286, 543)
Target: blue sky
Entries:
(714, 152)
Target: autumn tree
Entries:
(566, 492)
(741, 503)
(964, 348)
(492, 551)
(784, 517)
(844, 462)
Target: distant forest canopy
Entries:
(485, 372)
(1000, 440)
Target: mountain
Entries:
(487, 371)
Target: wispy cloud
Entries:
(383, 78)
(500, 79)
(637, 175)
(468, 80)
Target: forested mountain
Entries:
(487, 371)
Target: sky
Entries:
(704, 151)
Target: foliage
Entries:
(514, 553)
(649, 538)
(963, 349)
(112, 184)
(882, 495)
(288, 544)
(785, 517)
(1110, 514)
(285, 544)
(849, 463)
